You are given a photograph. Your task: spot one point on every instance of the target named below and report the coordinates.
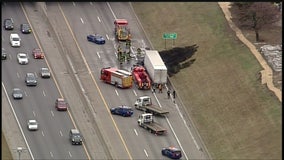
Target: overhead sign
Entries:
(170, 36)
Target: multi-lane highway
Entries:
(68, 24)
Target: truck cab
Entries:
(143, 101)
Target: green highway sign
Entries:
(170, 36)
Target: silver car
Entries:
(32, 125)
(17, 93)
(22, 58)
(44, 72)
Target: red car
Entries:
(38, 53)
(61, 104)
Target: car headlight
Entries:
(73, 139)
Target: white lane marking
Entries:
(35, 74)
(116, 92)
(70, 154)
(99, 19)
(111, 11)
(10, 56)
(74, 4)
(145, 152)
(60, 133)
(52, 113)
(18, 75)
(174, 131)
(135, 132)
(98, 54)
(135, 92)
(107, 37)
(34, 113)
(82, 20)
(43, 93)
(42, 133)
(14, 113)
(26, 93)
(51, 154)
(91, 3)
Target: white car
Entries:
(15, 40)
(44, 72)
(32, 125)
(22, 58)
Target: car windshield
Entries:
(23, 56)
(8, 22)
(33, 123)
(15, 39)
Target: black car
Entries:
(4, 56)
(8, 24)
(31, 79)
(25, 28)
(96, 38)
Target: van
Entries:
(15, 40)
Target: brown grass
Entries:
(237, 117)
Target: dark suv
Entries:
(75, 136)
(8, 24)
(31, 79)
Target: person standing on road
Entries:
(174, 94)
(169, 94)
(160, 88)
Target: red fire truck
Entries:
(117, 77)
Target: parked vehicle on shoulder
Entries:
(32, 125)
(75, 136)
(172, 152)
(123, 110)
(8, 24)
(96, 38)
(25, 28)
(15, 40)
(31, 79)
(38, 53)
(22, 58)
(4, 55)
(61, 104)
(44, 72)
(17, 93)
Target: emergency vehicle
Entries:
(117, 77)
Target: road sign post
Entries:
(172, 36)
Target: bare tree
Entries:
(257, 15)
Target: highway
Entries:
(51, 140)
(71, 22)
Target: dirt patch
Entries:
(269, 34)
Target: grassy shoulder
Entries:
(237, 117)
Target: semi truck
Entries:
(117, 77)
(144, 103)
(155, 66)
(141, 78)
(122, 32)
(146, 121)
